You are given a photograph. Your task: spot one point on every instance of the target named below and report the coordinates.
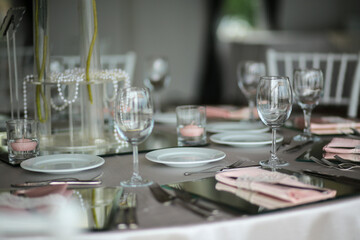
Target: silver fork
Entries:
(318, 161)
(208, 170)
(342, 166)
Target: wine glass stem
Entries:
(135, 162)
(157, 102)
(251, 109)
(307, 117)
(273, 145)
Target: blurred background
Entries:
(203, 39)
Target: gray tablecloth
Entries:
(160, 222)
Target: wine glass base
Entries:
(136, 183)
(273, 164)
(305, 138)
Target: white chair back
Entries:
(341, 73)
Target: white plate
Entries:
(243, 127)
(62, 163)
(185, 156)
(236, 139)
(168, 118)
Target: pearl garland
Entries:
(28, 78)
(77, 75)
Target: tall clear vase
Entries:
(92, 119)
(41, 67)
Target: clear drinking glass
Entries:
(248, 76)
(308, 88)
(157, 77)
(22, 139)
(134, 122)
(274, 104)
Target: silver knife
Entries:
(298, 146)
(164, 197)
(50, 182)
(131, 203)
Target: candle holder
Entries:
(191, 122)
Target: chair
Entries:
(341, 74)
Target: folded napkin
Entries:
(263, 188)
(332, 125)
(35, 199)
(344, 147)
(228, 113)
(43, 210)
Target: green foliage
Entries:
(244, 9)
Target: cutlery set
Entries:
(298, 146)
(184, 200)
(57, 182)
(95, 181)
(344, 165)
(237, 164)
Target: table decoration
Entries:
(191, 124)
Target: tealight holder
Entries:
(22, 139)
(191, 122)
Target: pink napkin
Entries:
(258, 186)
(228, 113)
(333, 125)
(40, 199)
(344, 147)
(45, 190)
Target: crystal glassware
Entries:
(308, 88)
(134, 122)
(157, 77)
(274, 104)
(248, 76)
(22, 139)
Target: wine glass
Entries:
(308, 87)
(248, 76)
(134, 122)
(157, 78)
(274, 104)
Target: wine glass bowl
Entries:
(274, 105)
(308, 89)
(157, 77)
(134, 123)
(248, 76)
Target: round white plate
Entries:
(62, 163)
(243, 127)
(167, 118)
(185, 156)
(236, 139)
